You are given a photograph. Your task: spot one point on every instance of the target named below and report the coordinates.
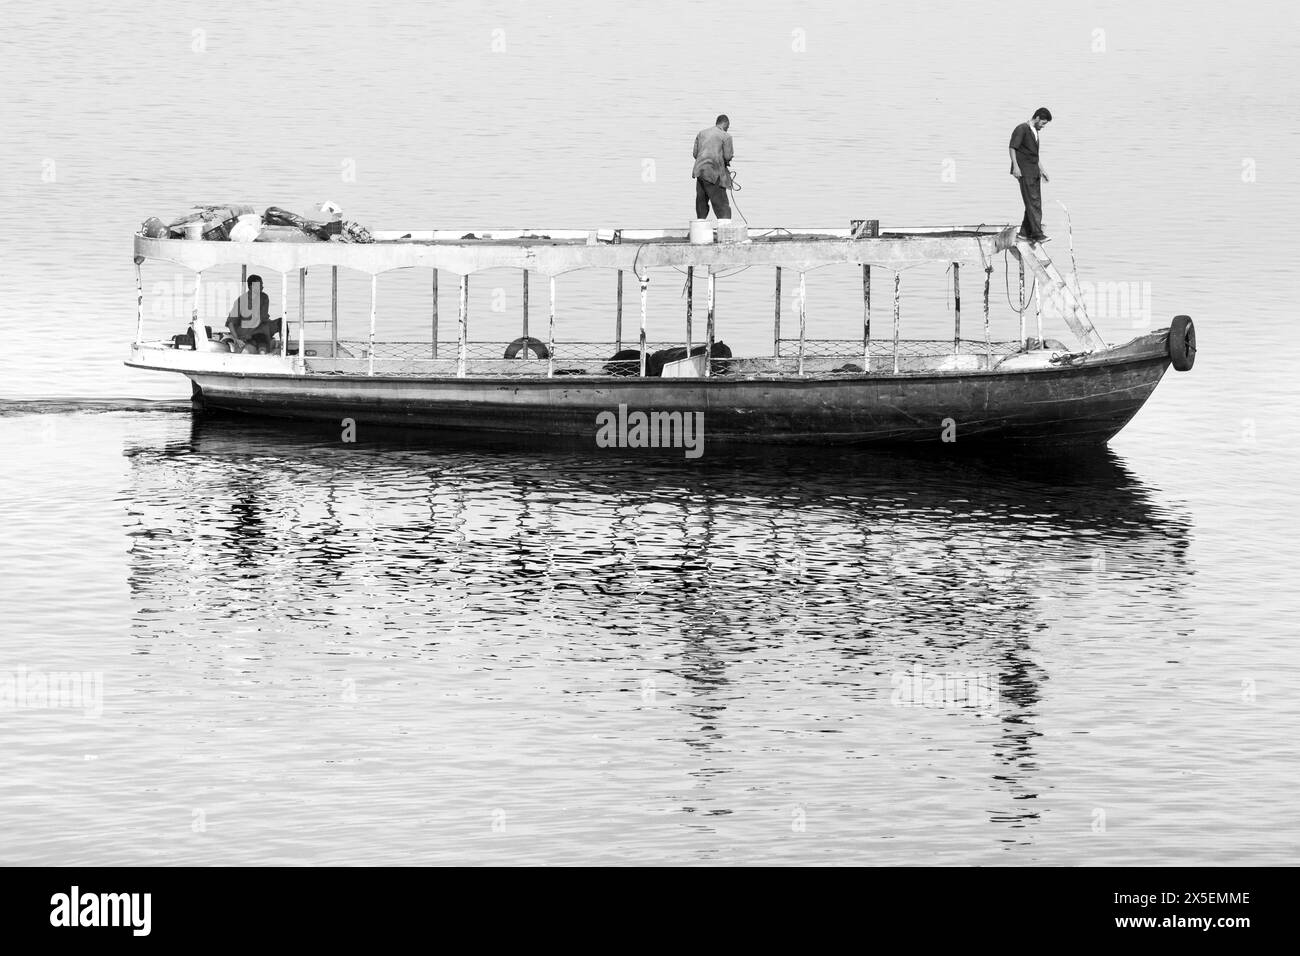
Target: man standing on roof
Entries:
(1026, 167)
(713, 153)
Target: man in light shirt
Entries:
(713, 153)
(1027, 168)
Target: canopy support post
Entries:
(866, 319)
(708, 325)
(1022, 301)
(897, 280)
(776, 319)
(302, 321)
(525, 332)
(956, 308)
(334, 311)
(139, 302)
(645, 283)
(550, 349)
(618, 316)
(374, 295)
(803, 318)
(284, 315)
(690, 305)
(433, 318)
(194, 312)
(462, 323)
(1038, 313)
(988, 342)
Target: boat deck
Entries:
(825, 359)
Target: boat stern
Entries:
(163, 357)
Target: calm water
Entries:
(398, 652)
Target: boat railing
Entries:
(492, 350)
(480, 358)
(486, 359)
(907, 348)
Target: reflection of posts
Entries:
(250, 327)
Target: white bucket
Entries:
(194, 230)
(701, 232)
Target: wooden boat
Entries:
(855, 390)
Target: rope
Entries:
(735, 188)
(1074, 266)
(636, 259)
(1006, 281)
(1069, 229)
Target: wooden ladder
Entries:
(1049, 279)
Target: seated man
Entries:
(250, 326)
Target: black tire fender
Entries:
(526, 344)
(1182, 343)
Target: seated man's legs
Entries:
(258, 339)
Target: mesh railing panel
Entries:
(821, 356)
(448, 349)
(908, 347)
(481, 358)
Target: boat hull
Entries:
(1084, 403)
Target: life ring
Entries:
(1182, 343)
(527, 343)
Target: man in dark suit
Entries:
(1028, 169)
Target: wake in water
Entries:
(62, 406)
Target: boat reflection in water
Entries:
(767, 599)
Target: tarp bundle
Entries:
(218, 220)
(238, 221)
(275, 216)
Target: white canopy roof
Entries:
(555, 252)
